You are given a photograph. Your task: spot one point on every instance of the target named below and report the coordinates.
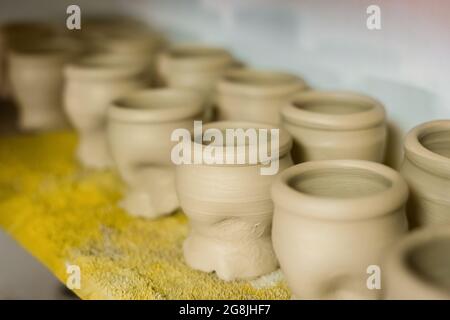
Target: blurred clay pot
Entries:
(195, 67)
(335, 125)
(229, 206)
(426, 168)
(139, 134)
(37, 80)
(139, 45)
(15, 34)
(418, 267)
(332, 220)
(256, 95)
(92, 83)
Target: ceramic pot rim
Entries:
(210, 59)
(397, 257)
(285, 140)
(373, 116)
(392, 198)
(130, 44)
(193, 104)
(42, 28)
(232, 83)
(421, 156)
(94, 67)
(46, 51)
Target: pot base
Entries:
(142, 204)
(230, 260)
(93, 152)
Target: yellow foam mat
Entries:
(65, 215)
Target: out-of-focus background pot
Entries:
(256, 95)
(15, 34)
(37, 80)
(418, 267)
(195, 67)
(130, 39)
(332, 220)
(92, 83)
(426, 168)
(140, 126)
(230, 210)
(328, 125)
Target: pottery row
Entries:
(325, 221)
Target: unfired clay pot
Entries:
(418, 267)
(139, 134)
(36, 75)
(230, 210)
(92, 83)
(195, 67)
(332, 220)
(255, 95)
(14, 34)
(137, 44)
(335, 125)
(426, 168)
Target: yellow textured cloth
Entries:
(65, 215)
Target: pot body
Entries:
(140, 129)
(429, 203)
(86, 104)
(13, 35)
(418, 266)
(426, 168)
(196, 68)
(193, 67)
(230, 214)
(256, 95)
(312, 144)
(141, 153)
(330, 125)
(332, 222)
(329, 259)
(251, 108)
(37, 85)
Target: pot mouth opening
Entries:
(196, 52)
(236, 137)
(331, 106)
(334, 110)
(244, 140)
(47, 48)
(159, 99)
(260, 78)
(104, 61)
(339, 183)
(437, 142)
(430, 261)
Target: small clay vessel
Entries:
(418, 267)
(37, 79)
(332, 221)
(139, 134)
(14, 34)
(195, 67)
(256, 95)
(229, 206)
(329, 125)
(92, 83)
(426, 168)
(138, 44)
